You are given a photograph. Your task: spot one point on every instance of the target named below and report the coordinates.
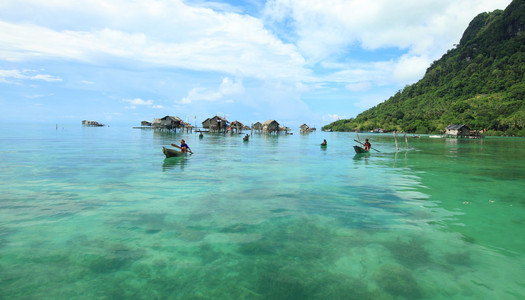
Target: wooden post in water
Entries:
(395, 139)
(406, 140)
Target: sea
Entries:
(100, 213)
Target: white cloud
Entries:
(367, 75)
(327, 28)
(359, 86)
(36, 96)
(227, 87)
(161, 33)
(16, 76)
(223, 40)
(371, 99)
(293, 50)
(45, 77)
(332, 118)
(409, 68)
(138, 101)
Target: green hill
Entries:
(480, 83)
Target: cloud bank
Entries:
(278, 52)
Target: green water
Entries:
(99, 213)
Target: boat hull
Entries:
(172, 153)
(360, 150)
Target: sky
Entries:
(295, 61)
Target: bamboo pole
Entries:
(406, 140)
(395, 139)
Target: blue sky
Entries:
(296, 61)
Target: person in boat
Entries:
(246, 137)
(201, 135)
(324, 143)
(184, 147)
(367, 145)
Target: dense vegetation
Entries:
(480, 83)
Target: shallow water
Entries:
(100, 213)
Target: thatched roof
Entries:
(237, 124)
(212, 122)
(270, 122)
(270, 125)
(172, 118)
(168, 121)
(457, 127)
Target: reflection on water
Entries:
(174, 162)
(362, 156)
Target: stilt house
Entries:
(304, 128)
(257, 127)
(457, 130)
(215, 124)
(168, 123)
(91, 123)
(270, 126)
(236, 126)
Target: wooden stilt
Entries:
(395, 139)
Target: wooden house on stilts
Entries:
(167, 123)
(215, 124)
(457, 131)
(236, 127)
(257, 127)
(270, 126)
(304, 128)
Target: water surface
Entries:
(100, 213)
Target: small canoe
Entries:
(172, 153)
(360, 150)
(324, 145)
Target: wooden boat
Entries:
(360, 150)
(172, 152)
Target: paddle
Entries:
(181, 148)
(363, 145)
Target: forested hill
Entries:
(480, 83)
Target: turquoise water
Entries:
(100, 213)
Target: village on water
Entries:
(214, 124)
(218, 124)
